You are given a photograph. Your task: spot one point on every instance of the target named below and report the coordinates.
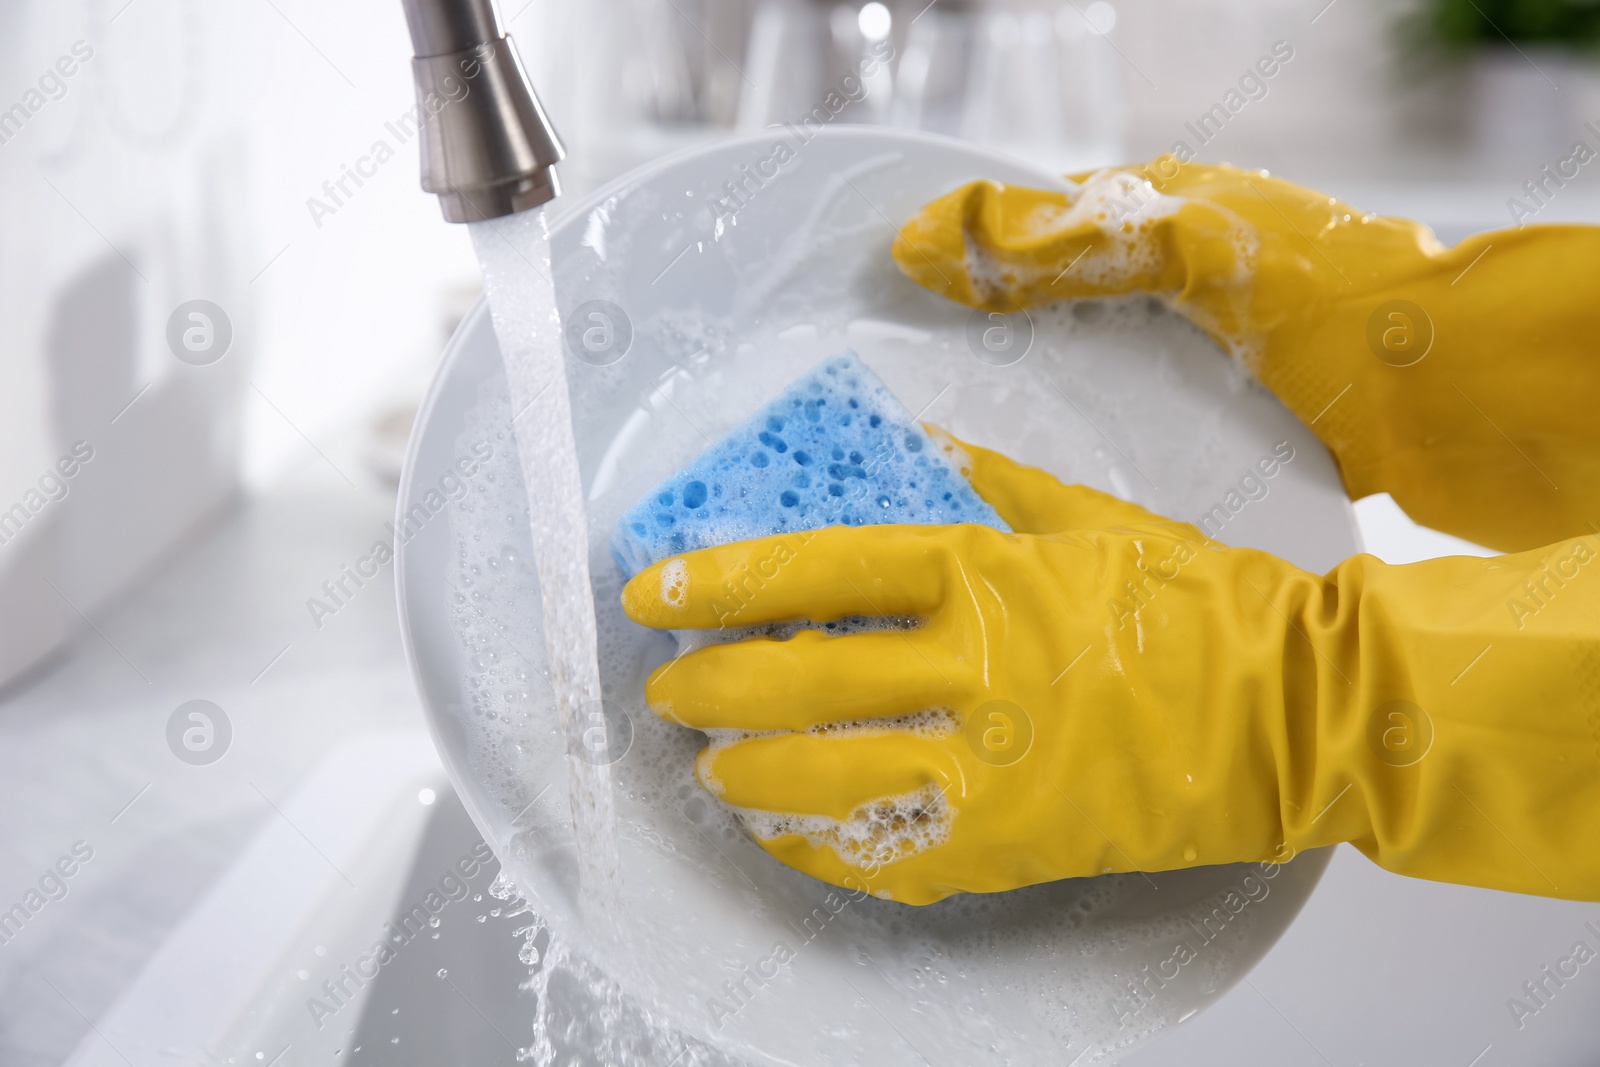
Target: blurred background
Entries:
(206, 151)
(222, 295)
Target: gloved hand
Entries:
(1122, 694)
(1460, 380)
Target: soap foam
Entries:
(877, 833)
(675, 583)
(1122, 207)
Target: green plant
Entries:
(1466, 23)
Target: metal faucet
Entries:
(487, 147)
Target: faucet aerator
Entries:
(488, 148)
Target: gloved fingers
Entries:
(822, 575)
(1117, 231)
(826, 774)
(1190, 231)
(1030, 237)
(921, 879)
(811, 679)
(1034, 501)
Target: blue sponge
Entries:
(835, 448)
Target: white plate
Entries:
(722, 317)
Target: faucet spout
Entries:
(488, 148)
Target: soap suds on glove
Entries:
(877, 833)
(675, 583)
(1121, 205)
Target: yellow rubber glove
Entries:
(1121, 693)
(1461, 381)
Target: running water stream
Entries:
(514, 254)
